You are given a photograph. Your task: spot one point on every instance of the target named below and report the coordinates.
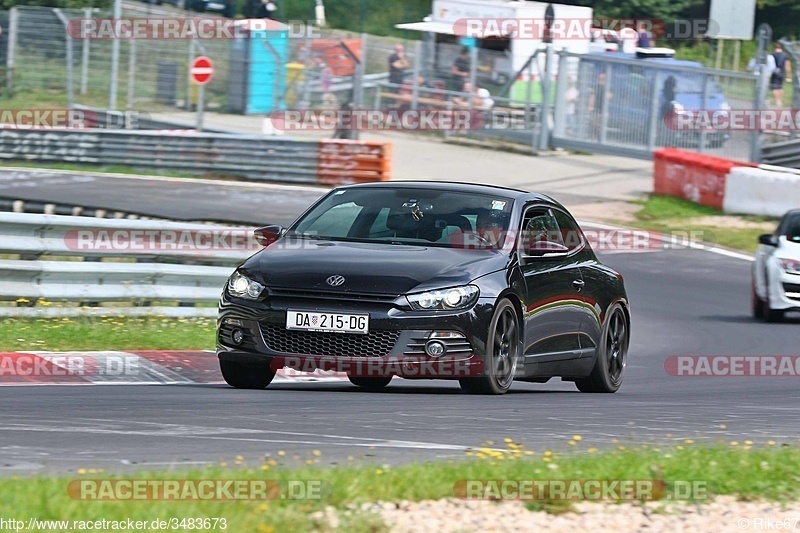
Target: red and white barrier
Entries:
(731, 186)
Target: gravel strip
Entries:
(723, 513)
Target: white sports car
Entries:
(776, 270)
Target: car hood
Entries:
(788, 249)
(368, 267)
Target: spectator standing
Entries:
(780, 74)
(460, 69)
(645, 37)
(397, 67)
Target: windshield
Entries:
(408, 216)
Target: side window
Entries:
(570, 232)
(336, 222)
(539, 225)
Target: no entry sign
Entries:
(202, 70)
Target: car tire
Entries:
(757, 304)
(772, 315)
(612, 354)
(372, 384)
(501, 356)
(246, 376)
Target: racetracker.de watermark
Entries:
(161, 240)
(733, 120)
(372, 365)
(197, 489)
(581, 28)
(68, 119)
(727, 366)
(44, 366)
(579, 489)
(204, 28)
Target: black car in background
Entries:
(427, 280)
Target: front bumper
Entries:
(394, 346)
(784, 289)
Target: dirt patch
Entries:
(729, 221)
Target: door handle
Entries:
(578, 284)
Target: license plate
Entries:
(327, 322)
(214, 5)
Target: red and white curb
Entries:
(141, 367)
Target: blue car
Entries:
(630, 103)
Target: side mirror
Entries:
(267, 235)
(546, 249)
(768, 239)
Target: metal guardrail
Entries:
(783, 153)
(249, 156)
(169, 244)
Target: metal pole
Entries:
(759, 103)
(544, 127)
(415, 86)
(654, 118)
(562, 85)
(604, 116)
(201, 90)
(473, 74)
(737, 51)
(87, 12)
(704, 105)
(306, 102)
(13, 30)
(112, 93)
(189, 77)
(718, 61)
(131, 74)
(70, 65)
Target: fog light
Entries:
(237, 336)
(434, 348)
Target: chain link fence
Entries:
(593, 102)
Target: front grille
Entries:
(373, 344)
(338, 296)
(792, 290)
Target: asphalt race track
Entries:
(685, 302)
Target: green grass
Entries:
(667, 214)
(106, 333)
(748, 471)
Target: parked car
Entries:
(680, 89)
(776, 270)
(226, 7)
(498, 283)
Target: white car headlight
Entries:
(444, 299)
(243, 287)
(790, 266)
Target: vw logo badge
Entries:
(335, 281)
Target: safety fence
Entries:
(64, 261)
(329, 162)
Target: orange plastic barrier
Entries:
(331, 53)
(343, 161)
(695, 177)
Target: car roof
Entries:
(652, 60)
(456, 187)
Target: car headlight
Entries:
(244, 287)
(444, 299)
(790, 266)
